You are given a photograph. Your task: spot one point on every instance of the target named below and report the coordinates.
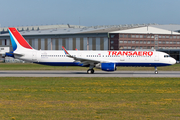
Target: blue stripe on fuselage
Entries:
(117, 64)
(142, 64)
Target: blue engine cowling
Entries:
(108, 66)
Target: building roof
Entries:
(170, 27)
(41, 27)
(57, 31)
(146, 30)
(73, 29)
(83, 30)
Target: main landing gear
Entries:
(90, 71)
(156, 71)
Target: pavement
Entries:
(35, 73)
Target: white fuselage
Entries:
(120, 58)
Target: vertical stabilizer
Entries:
(18, 41)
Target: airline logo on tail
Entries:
(17, 39)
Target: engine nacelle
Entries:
(106, 66)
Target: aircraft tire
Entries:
(156, 72)
(90, 71)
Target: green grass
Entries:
(89, 98)
(30, 66)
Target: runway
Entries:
(22, 73)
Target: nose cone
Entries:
(173, 61)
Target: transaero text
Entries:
(130, 53)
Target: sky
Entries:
(88, 12)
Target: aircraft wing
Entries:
(83, 61)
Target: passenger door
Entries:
(156, 57)
(122, 58)
(34, 56)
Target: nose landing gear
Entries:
(156, 71)
(90, 71)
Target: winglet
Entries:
(68, 55)
(65, 51)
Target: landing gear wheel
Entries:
(90, 71)
(156, 72)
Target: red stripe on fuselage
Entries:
(20, 38)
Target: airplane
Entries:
(104, 60)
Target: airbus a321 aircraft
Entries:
(104, 60)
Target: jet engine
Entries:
(106, 66)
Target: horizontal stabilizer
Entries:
(11, 54)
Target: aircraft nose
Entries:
(173, 61)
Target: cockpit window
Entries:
(166, 56)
